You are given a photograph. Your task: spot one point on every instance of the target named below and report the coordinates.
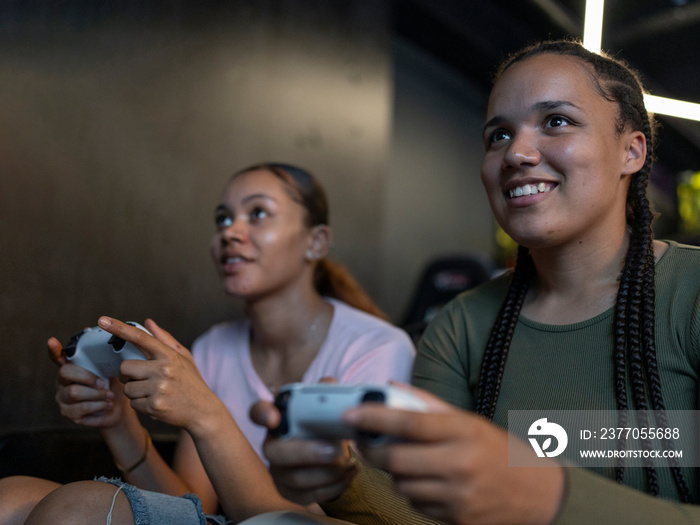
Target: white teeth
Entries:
(233, 260)
(529, 189)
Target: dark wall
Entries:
(119, 127)
(435, 204)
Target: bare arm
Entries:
(169, 388)
(83, 398)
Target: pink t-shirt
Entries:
(359, 348)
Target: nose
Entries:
(236, 232)
(521, 151)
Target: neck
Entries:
(576, 282)
(287, 333)
(282, 324)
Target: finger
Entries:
(135, 370)
(265, 414)
(425, 490)
(414, 460)
(305, 453)
(70, 374)
(325, 493)
(328, 379)
(151, 347)
(137, 389)
(405, 424)
(312, 478)
(76, 393)
(55, 349)
(87, 410)
(165, 337)
(432, 402)
(78, 402)
(312, 485)
(432, 497)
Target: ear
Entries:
(320, 242)
(635, 153)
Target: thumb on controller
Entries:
(432, 402)
(55, 349)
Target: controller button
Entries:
(374, 396)
(116, 342)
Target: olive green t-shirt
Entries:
(559, 367)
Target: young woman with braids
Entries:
(596, 316)
(306, 319)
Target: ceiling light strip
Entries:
(593, 25)
(592, 40)
(671, 107)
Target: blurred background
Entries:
(120, 122)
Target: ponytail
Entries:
(332, 279)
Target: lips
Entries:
(231, 263)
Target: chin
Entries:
(533, 233)
(236, 289)
(531, 240)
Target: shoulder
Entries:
(465, 322)
(352, 325)
(479, 303)
(220, 335)
(678, 253)
(677, 298)
(361, 348)
(679, 267)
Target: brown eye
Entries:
(557, 121)
(258, 213)
(498, 135)
(222, 219)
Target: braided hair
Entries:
(634, 341)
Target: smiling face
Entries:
(262, 236)
(556, 168)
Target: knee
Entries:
(19, 495)
(83, 502)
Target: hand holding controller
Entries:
(100, 352)
(315, 411)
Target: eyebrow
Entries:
(247, 199)
(545, 105)
(552, 104)
(258, 196)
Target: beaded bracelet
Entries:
(143, 458)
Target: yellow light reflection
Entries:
(689, 201)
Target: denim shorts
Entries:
(154, 508)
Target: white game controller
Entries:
(315, 411)
(101, 352)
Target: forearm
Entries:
(128, 444)
(591, 498)
(241, 480)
